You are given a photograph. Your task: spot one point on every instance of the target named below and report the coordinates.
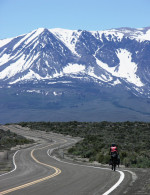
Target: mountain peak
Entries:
(103, 56)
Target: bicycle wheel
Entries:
(114, 167)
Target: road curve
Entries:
(39, 172)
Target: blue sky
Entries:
(22, 16)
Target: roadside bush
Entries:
(100, 157)
(9, 139)
(126, 162)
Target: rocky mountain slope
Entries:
(87, 75)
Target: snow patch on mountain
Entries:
(35, 35)
(125, 69)
(109, 35)
(29, 76)
(140, 35)
(57, 93)
(116, 82)
(29, 37)
(4, 59)
(73, 68)
(33, 91)
(118, 34)
(56, 74)
(13, 69)
(4, 41)
(68, 37)
(17, 67)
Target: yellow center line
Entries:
(57, 172)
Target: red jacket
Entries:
(113, 149)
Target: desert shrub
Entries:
(9, 139)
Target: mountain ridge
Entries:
(55, 62)
(70, 42)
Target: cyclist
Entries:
(114, 151)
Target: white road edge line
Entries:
(117, 184)
(14, 163)
(122, 175)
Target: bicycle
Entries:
(114, 161)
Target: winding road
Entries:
(38, 171)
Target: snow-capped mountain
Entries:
(111, 59)
(106, 56)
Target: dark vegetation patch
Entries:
(9, 139)
(132, 138)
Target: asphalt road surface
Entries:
(38, 172)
